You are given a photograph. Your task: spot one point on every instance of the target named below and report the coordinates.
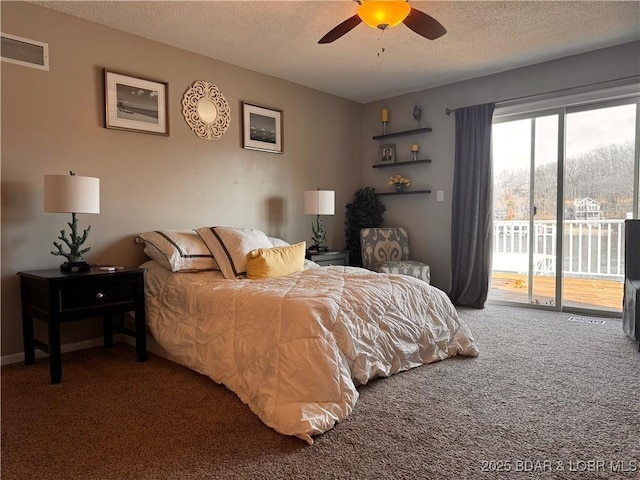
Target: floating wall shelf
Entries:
(406, 192)
(402, 134)
(395, 164)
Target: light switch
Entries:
(440, 196)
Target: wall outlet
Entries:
(440, 196)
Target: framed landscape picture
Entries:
(135, 104)
(387, 153)
(261, 128)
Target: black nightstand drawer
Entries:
(337, 261)
(329, 258)
(96, 296)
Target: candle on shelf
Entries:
(384, 115)
(415, 148)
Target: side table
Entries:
(57, 297)
(329, 257)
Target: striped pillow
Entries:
(178, 250)
(230, 247)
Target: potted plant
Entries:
(365, 211)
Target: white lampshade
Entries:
(71, 194)
(319, 202)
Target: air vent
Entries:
(23, 51)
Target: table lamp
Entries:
(319, 202)
(72, 194)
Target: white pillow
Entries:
(230, 247)
(178, 250)
(278, 242)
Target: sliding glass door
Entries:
(525, 162)
(564, 181)
(598, 197)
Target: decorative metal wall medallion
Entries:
(206, 110)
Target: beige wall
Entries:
(52, 122)
(429, 222)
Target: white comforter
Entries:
(294, 348)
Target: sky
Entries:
(586, 131)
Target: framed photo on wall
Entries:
(387, 153)
(261, 128)
(135, 104)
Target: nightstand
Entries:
(56, 297)
(330, 257)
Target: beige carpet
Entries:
(545, 397)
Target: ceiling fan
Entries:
(385, 14)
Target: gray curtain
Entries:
(471, 213)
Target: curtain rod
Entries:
(449, 111)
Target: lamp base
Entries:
(75, 267)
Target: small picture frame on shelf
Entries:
(387, 153)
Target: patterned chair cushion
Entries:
(386, 250)
(408, 267)
(383, 245)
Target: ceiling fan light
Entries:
(383, 14)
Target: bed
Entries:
(293, 347)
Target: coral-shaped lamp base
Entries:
(75, 257)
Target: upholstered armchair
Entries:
(386, 250)
(631, 303)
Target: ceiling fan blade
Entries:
(340, 30)
(424, 25)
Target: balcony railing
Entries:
(592, 248)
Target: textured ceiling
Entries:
(280, 38)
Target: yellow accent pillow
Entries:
(276, 262)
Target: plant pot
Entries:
(400, 187)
